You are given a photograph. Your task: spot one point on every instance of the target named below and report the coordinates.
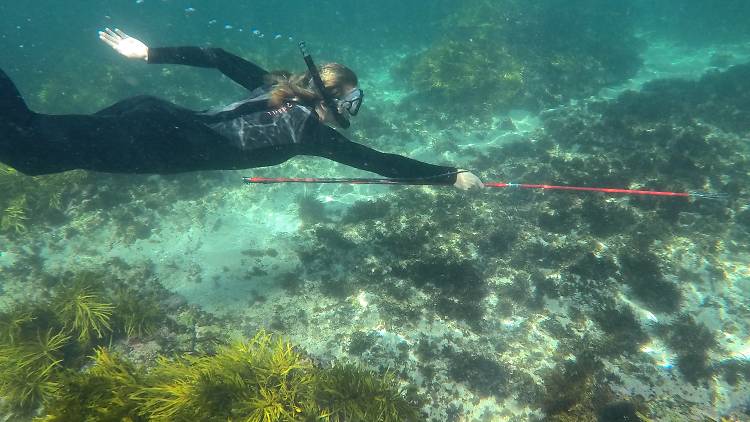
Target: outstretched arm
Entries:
(235, 68)
(330, 144)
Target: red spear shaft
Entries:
(375, 181)
(580, 188)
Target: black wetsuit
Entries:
(145, 134)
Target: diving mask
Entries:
(351, 101)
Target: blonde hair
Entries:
(299, 87)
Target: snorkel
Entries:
(327, 99)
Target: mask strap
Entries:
(327, 99)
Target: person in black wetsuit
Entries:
(283, 117)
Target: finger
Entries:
(107, 39)
(107, 35)
(122, 34)
(112, 34)
(104, 37)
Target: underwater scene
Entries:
(564, 290)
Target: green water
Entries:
(501, 304)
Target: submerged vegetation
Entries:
(59, 361)
(81, 307)
(263, 379)
(559, 305)
(509, 53)
(42, 340)
(496, 264)
(29, 200)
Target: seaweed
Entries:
(366, 210)
(621, 411)
(339, 288)
(265, 379)
(500, 239)
(310, 209)
(734, 370)
(510, 53)
(34, 199)
(53, 364)
(42, 340)
(28, 370)
(458, 70)
(82, 307)
(15, 215)
(137, 315)
(692, 341)
(14, 322)
(642, 273)
(178, 387)
(606, 218)
(346, 392)
(569, 388)
(44, 370)
(623, 331)
(594, 269)
(482, 374)
(523, 291)
(100, 393)
(361, 342)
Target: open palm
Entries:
(124, 44)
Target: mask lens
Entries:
(352, 101)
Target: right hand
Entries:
(466, 180)
(124, 44)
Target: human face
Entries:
(348, 105)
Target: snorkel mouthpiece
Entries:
(327, 99)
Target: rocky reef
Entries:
(497, 55)
(576, 306)
(456, 306)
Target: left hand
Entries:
(124, 44)
(466, 180)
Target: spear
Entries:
(426, 181)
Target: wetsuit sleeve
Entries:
(243, 72)
(327, 142)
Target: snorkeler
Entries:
(285, 115)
